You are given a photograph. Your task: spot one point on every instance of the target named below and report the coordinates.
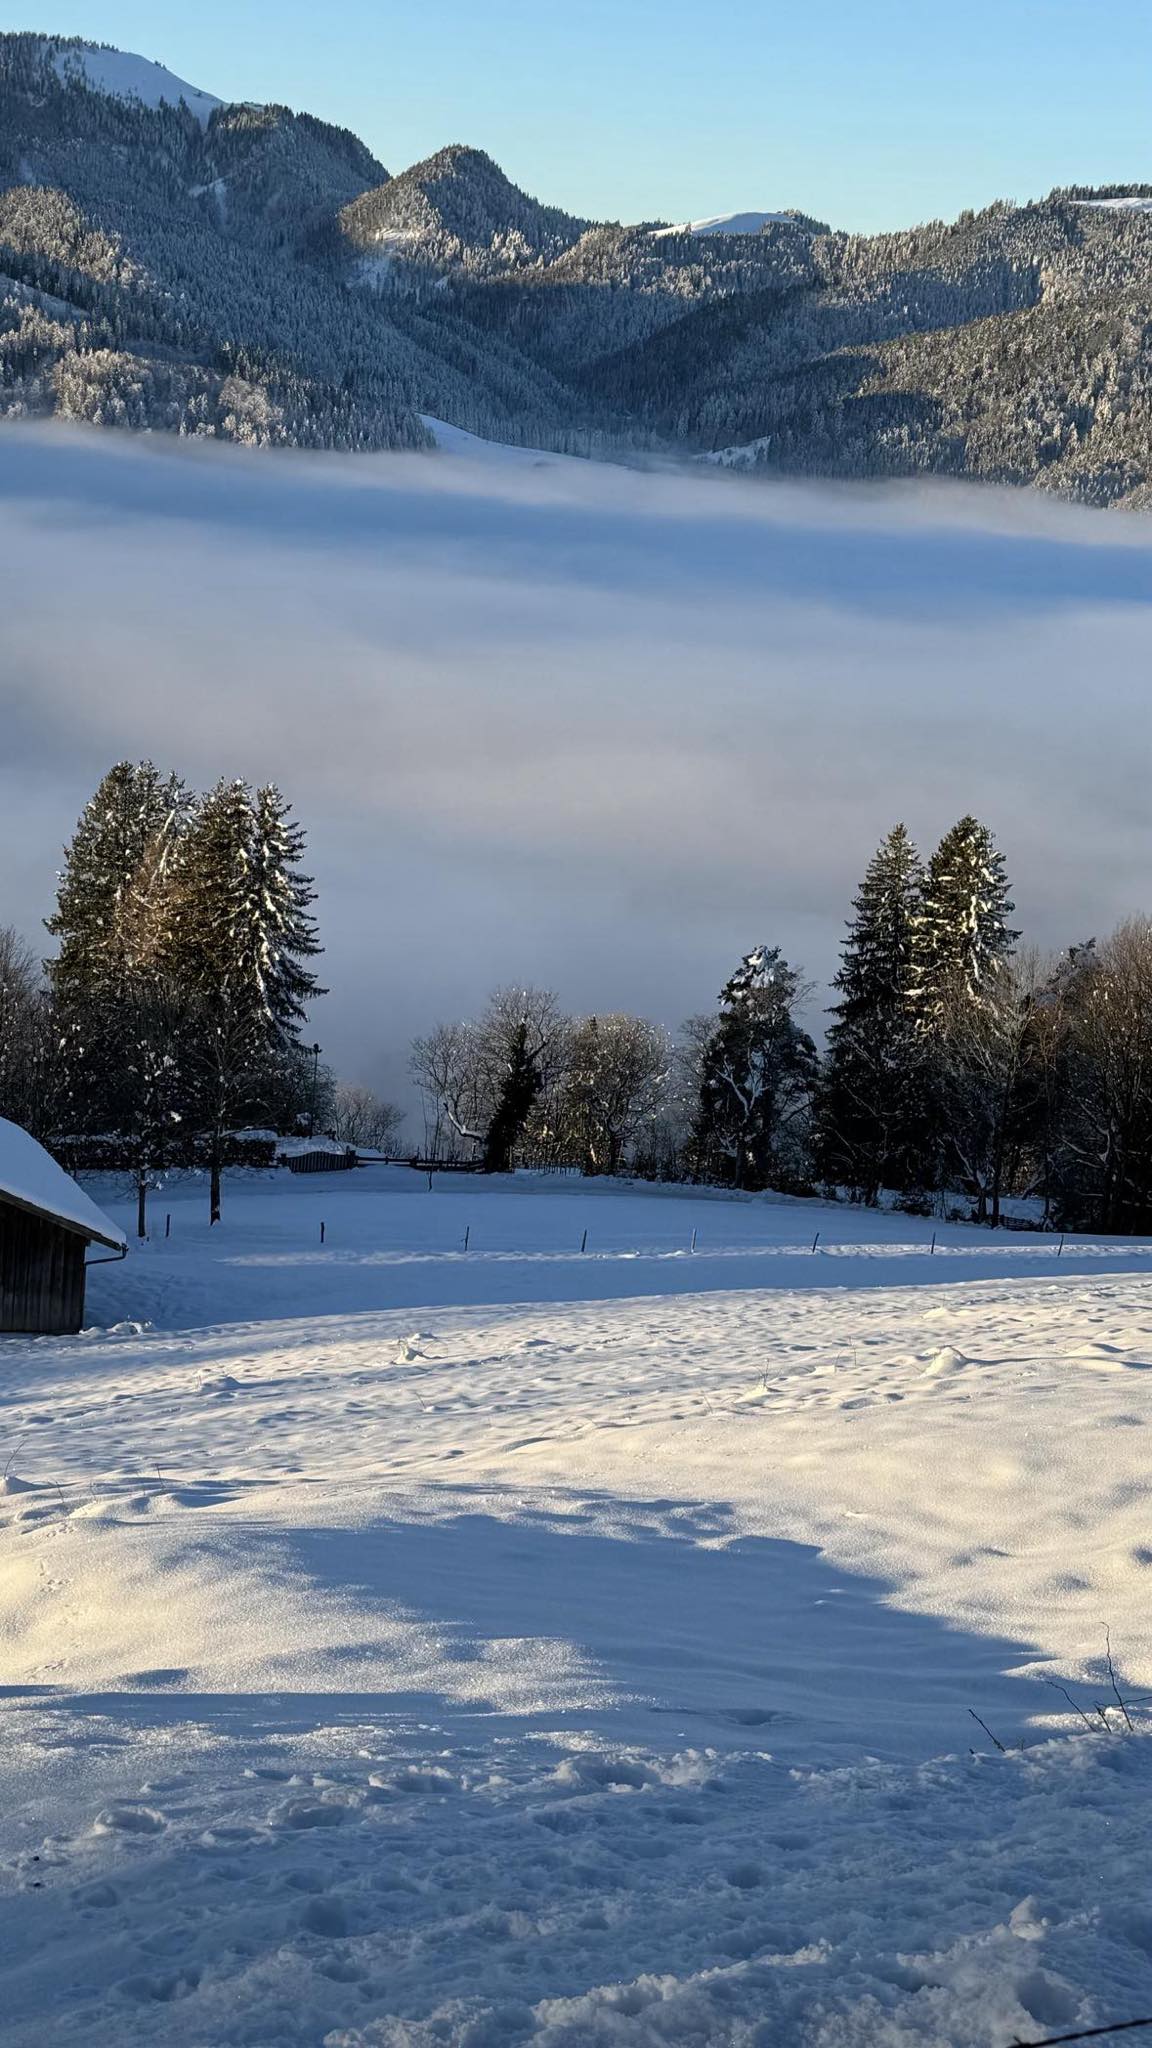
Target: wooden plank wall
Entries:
(41, 1275)
(321, 1162)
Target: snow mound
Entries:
(949, 1360)
(125, 77)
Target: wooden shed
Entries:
(47, 1223)
(317, 1155)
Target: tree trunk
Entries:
(141, 1205)
(214, 1186)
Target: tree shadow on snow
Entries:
(647, 1623)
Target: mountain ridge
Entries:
(249, 272)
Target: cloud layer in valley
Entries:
(569, 723)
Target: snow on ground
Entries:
(126, 77)
(412, 1645)
(1131, 202)
(723, 224)
(742, 455)
(473, 447)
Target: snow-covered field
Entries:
(411, 1645)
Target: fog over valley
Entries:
(570, 723)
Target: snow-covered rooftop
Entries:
(125, 77)
(30, 1177)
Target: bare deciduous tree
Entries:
(361, 1117)
(617, 1074)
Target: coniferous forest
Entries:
(251, 274)
(961, 1072)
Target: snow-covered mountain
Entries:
(254, 273)
(125, 77)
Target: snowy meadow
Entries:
(567, 723)
(412, 1647)
(521, 1610)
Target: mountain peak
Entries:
(458, 206)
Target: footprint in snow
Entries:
(217, 1383)
(302, 1813)
(131, 1820)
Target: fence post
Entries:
(932, 1246)
(429, 1183)
(693, 1246)
(584, 1242)
(321, 1233)
(467, 1235)
(168, 1225)
(1060, 1246)
(816, 1240)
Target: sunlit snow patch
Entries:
(125, 77)
(723, 224)
(1131, 202)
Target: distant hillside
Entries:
(247, 272)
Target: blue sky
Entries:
(869, 113)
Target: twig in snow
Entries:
(1088, 2034)
(987, 1731)
(1115, 1687)
(1072, 1703)
(11, 1456)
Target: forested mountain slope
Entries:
(253, 273)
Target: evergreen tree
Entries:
(519, 1091)
(757, 1075)
(961, 935)
(240, 941)
(244, 929)
(123, 838)
(869, 1110)
(281, 927)
(112, 905)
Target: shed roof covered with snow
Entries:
(32, 1181)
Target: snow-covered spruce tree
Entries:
(961, 935)
(869, 1110)
(135, 813)
(109, 920)
(963, 999)
(757, 1076)
(240, 942)
(281, 926)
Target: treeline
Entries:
(171, 1012)
(956, 1065)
